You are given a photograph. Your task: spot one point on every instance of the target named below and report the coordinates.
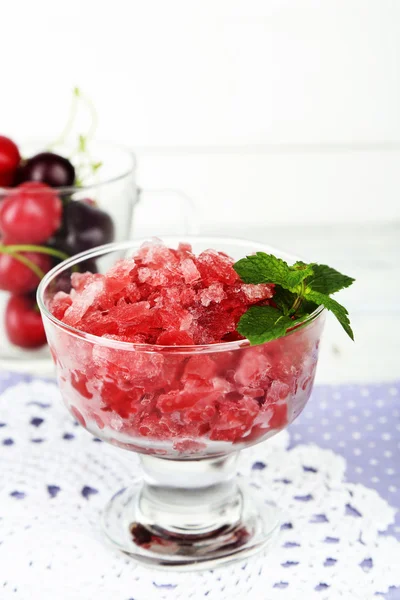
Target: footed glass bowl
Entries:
(188, 411)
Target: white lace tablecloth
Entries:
(338, 496)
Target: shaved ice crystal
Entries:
(161, 296)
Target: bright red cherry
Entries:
(9, 161)
(30, 214)
(17, 278)
(23, 323)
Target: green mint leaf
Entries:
(263, 323)
(266, 268)
(300, 264)
(327, 280)
(283, 299)
(337, 309)
(307, 307)
(286, 302)
(299, 290)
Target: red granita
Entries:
(193, 383)
(159, 293)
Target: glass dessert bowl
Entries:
(186, 409)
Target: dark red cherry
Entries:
(50, 168)
(85, 226)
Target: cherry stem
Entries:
(29, 263)
(11, 249)
(76, 97)
(70, 121)
(14, 250)
(81, 150)
(93, 116)
(84, 139)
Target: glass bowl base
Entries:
(209, 535)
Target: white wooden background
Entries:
(261, 110)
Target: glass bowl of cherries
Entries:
(54, 203)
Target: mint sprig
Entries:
(327, 280)
(299, 290)
(337, 309)
(264, 323)
(266, 268)
(284, 299)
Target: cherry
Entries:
(89, 201)
(9, 161)
(31, 214)
(18, 278)
(85, 227)
(50, 168)
(23, 323)
(88, 265)
(17, 179)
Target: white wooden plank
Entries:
(288, 187)
(206, 73)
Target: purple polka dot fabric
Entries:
(362, 423)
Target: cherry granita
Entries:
(162, 296)
(183, 382)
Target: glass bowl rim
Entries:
(72, 189)
(154, 348)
